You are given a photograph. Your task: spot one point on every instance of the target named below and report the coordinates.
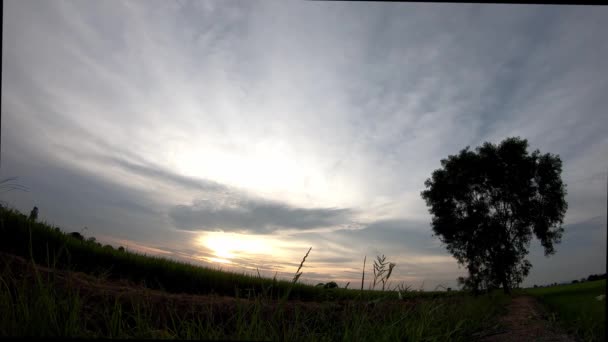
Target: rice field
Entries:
(54, 285)
(577, 307)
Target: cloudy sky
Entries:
(238, 134)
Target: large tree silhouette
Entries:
(487, 203)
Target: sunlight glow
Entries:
(226, 246)
(220, 260)
(269, 168)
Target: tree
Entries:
(330, 285)
(486, 204)
(77, 235)
(34, 214)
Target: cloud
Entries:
(594, 223)
(150, 171)
(253, 215)
(74, 198)
(580, 253)
(396, 235)
(291, 118)
(408, 243)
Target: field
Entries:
(576, 308)
(52, 284)
(50, 246)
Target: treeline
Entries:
(591, 277)
(596, 277)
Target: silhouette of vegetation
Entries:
(487, 203)
(382, 271)
(72, 251)
(39, 296)
(34, 214)
(593, 277)
(363, 272)
(330, 285)
(77, 236)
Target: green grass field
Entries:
(576, 308)
(128, 295)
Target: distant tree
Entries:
(121, 249)
(535, 286)
(330, 285)
(77, 235)
(320, 285)
(575, 281)
(594, 277)
(34, 214)
(487, 204)
(108, 247)
(91, 239)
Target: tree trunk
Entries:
(505, 287)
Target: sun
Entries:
(227, 246)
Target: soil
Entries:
(526, 320)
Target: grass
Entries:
(49, 245)
(41, 307)
(576, 308)
(50, 301)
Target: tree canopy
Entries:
(486, 205)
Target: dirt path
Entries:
(525, 321)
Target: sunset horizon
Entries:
(237, 135)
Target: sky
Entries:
(238, 134)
